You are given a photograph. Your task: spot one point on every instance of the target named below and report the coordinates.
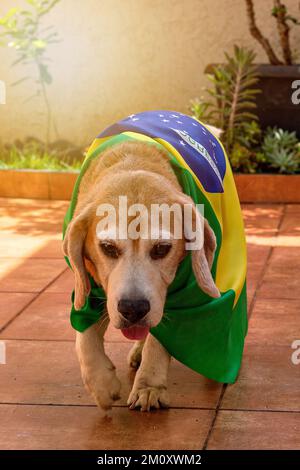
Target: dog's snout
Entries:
(133, 309)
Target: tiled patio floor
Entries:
(43, 404)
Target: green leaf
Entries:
(44, 74)
(39, 44)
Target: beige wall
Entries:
(119, 57)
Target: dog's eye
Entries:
(160, 250)
(109, 249)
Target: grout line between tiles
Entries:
(201, 408)
(249, 410)
(215, 417)
(87, 405)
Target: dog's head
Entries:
(136, 263)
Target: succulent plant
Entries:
(282, 150)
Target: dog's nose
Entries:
(133, 309)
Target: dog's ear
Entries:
(203, 256)
(202, 261)
(73, 247)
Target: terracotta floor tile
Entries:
(40, 427)
(262, 220)
(274, 322)
(255, 430)
(291, 224)
(11, 303)
(268, 381)
(47, 372)
(46, 318)
(34, 220)
(282, 279)
(33, 246)
(63, 284)
(32, 203)
(28, 275)
(292, 208)
(261, 208)
(257, 254)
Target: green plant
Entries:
(33, 154)
(282, 150)
(22, 30)
(283, 21)
(246, 155)
(231, 104)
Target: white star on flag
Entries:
(179, 122)
(166, 120)
(161, 115)
(135, 119)
(174, 116)
(182, 143)
(131, 116)
(194, 124)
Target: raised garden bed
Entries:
(37, 184)
(268, 188)
(44, 184)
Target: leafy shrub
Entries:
(33, 154)
(22, 30)
(232, 97)
(230, 106)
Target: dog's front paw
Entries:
(104, 386)
(148, 397)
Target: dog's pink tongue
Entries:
(135, 332)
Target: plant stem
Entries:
(231, 119)
(256, 33)
(283, 30)
(44, 93)
(47, 104)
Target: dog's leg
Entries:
(150, 385)
(97, 370)
(134, 357)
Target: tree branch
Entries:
(283, 29)
(256, 33)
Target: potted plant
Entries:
(279, 102)
(255, 154)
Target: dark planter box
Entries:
(274, 105)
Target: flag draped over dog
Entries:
(203, 333)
